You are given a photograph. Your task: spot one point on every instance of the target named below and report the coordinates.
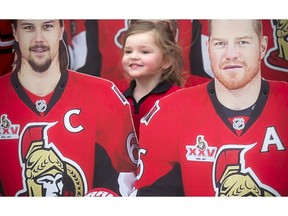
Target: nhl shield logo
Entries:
(41, 105)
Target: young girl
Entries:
(153, 60)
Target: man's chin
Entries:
(40, 68)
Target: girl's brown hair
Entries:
(165, 38)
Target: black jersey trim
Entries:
(6, 51)
(59, 89)
(168, 185)
(161, 87)
(259, 105)
(105, 176)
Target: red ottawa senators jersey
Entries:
(140, 108)
(82, 139)
(188, 147)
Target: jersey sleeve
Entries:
(120, 142)
(159, 172)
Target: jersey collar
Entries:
(259, 104)
(58, 91)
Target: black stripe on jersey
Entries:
(168, 185)
(105, 176)
(6, 51)
(94, 58)
(2, 193)
(7, 37)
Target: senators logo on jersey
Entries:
(233, 178)
(46, 172)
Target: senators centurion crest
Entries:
(232, 178)
(45, 171)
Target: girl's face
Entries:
(142, 57)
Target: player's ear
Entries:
(208, 45)
(62, 29)
(61, 33)
(264, 44)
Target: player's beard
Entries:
(40, 68)
(233, 80)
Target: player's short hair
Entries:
(257, 25)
